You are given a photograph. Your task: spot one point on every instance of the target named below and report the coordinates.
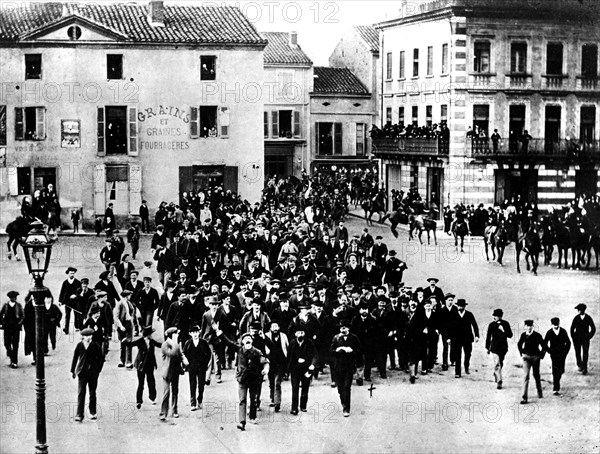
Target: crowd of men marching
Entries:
(280, 293)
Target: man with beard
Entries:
(277, 344)
(211, 320)
(346, 348)
(370, 335)
(301, 364)
(283, 314)
(430, 336)
(496, 343)
(306, 320)
(178, 315)
(370, 273)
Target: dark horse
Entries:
(460, 229)
(532, 246)
(421, 224)
(396, 217)
(371, 206)
(16, 231)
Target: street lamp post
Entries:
(37, 249)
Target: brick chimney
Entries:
(294, 39)
(156, 13)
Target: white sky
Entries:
(320, 24)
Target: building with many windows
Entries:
(289, 77)
(123, 102)
(530, 73)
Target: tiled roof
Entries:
(369, 35)
(337, 81)
(183, 24)
(280, 51)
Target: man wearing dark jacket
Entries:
(532, 349)
(147, 300)
(196, 358)
(145, 363)
(302, 361)
(12, 316)
(68, 297)
(446, 317)
(582, 330)
(277, 345)
(558, 345)
(371, 336)
(496, 343)
(87, 363)
(465, 332)
(346, 348)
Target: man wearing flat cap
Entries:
(252, 367)
(558, 345)
(110, 254)
(532, 349)
(393, 271)
(11, 321)
(68, 297)
(582, 331)
(465, 333)
(496, 343)
(147, 301)
(105, 284)
(86, 365)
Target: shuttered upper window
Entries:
(30, 123)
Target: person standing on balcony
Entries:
(495, 140)
(525, 141)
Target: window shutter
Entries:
(296, 123)
(13, 181)
(194, 123)
(224, 122)
(40, 127)
(133, 132)
(337, 143)
(135, 188)
(100, 189)
(317, 138)
(19, 123)
(230, 179)
(275, 121)
(101, 143)
(266, 124)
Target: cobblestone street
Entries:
(437, 413)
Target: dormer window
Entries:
(208, 67)
(33, 66)
(114, 66)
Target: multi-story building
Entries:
(119, 102)
(527, 70)
(288, 75)
(341, 112)
(358, 50)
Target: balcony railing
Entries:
(542, 148)
(587, 83)
(411, 146)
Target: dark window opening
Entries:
(114, 66)
(415, 62)
(329, 138)
(285, 123)
(30, 123)
(587, 126)
(554, 58)
(2, 125)
(415, 115)
(208, 67)
(116, 130)
(589, 60)
(401, 116)
(429, 115)
(208, 121)
(481, 119)
(33, 66)
(24, 180)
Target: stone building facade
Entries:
(530, 73)
(123, 102)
